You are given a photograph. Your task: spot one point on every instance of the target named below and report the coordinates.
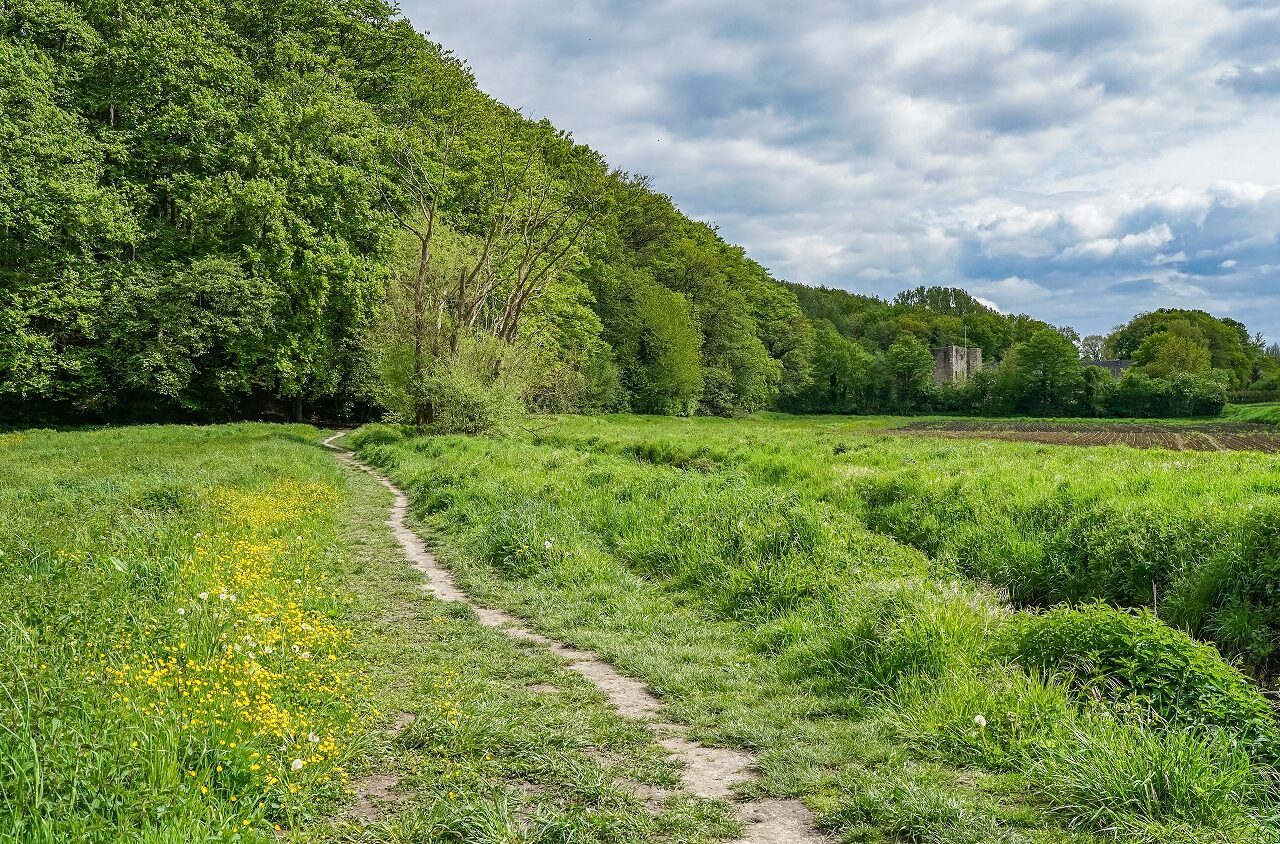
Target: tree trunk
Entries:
(297, 408)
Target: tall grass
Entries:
(762, 526)
(1191, 535)
(1268, 413)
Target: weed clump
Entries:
(1131, 656)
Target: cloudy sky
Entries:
(1078, 161)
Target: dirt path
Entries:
(706, 771)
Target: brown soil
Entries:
(708, 772)
(1194, 437)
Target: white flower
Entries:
(222, 597)
(268, 650)
(296, 764)
(204, 596)
(547, 545)
(182, 611)
(313, 738)
(980, 721)
(231, 598)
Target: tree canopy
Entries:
(219, 209)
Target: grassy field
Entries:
(209, 635)
(1268, 413)
(816, 591)
(1191, 535)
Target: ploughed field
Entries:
(925, 639)
(1211, 436)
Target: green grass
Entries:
(749, 572)
(1189, 534)
(106, 536)
(1268, 413)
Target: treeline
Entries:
(220, 208)
(873, 356)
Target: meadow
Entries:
(210, 635)
(926, 639)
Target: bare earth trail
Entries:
(708, 772)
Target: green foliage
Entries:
(732, 564)
(1178, 347)
(1267, 412)
(910, 368)
(1132, 655)
(1138, 395)
(1048, 377)
(374, 433)
(841, 374)
(1186, 336)
(663, 371)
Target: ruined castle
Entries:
(955, 363)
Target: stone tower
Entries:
(955, 363)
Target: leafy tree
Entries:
(910, 367)
(840, 377)
(1091, 347)
(1049, 376)
(1179, 348)
(1230, 346)
(665, 373)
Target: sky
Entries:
(1077, 161)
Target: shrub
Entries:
(375, 433)
(1253, 396)
(1130, 655)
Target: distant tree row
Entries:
(217, 208)
(873, 356)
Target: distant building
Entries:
(955, 363)
(1116, 367)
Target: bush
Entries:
(1140, 396)
(1253, 396)
(375, 433)
(1130, 655)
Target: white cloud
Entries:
(1087, 148)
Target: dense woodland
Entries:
(220, 209)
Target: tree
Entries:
(1180, 348)
(1230, 346)
(840, 372)
(522, 197)
(666, 374)
(1050, 378)
(910, 368)
(1091, 347)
